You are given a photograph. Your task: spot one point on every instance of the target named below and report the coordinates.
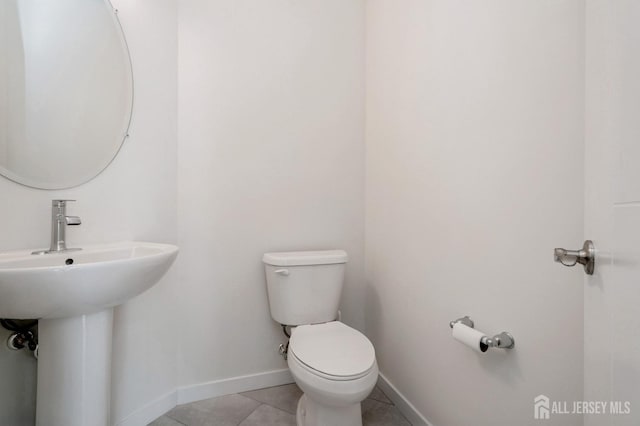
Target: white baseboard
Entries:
(215, 388)
(145, 415)
(403, 404)
(198, 392)
(186, 394)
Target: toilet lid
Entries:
(333, 348)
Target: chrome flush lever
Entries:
(586, 256)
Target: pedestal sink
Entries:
(73, 295)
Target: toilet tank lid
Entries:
(304, 258)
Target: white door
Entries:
(612, 208)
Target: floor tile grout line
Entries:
(254, 410)
(404, 417)
(250, 397)
(266, 403)
(279, 409)
(273, 406)
(175, 420)
(379, 400)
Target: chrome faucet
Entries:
(59, 222)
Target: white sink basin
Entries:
(72, 295)
(79, 282)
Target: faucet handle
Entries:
(72, 220)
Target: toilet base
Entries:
(310, 413)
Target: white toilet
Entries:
(331, 362)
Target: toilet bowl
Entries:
(336, 368)
(331, 362)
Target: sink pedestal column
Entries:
(74, 370)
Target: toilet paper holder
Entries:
(502, 340)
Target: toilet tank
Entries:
(304, 287)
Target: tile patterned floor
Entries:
(270, 407)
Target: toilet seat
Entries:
(333, 351)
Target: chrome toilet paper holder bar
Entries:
(502, 340)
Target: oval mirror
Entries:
(67, 90)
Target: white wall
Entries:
(135, 198)
(475, 150)
(271, 158)
(145, 329)
(612, 206)
(11, 77)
